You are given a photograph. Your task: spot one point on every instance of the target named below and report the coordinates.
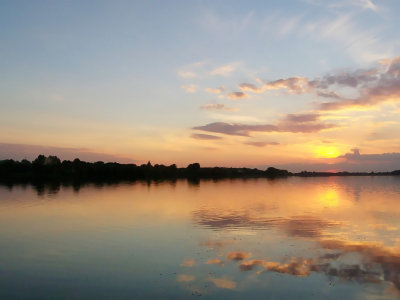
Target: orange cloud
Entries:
(251, 88)
(215, 262)
(185, 278)
(250, 265)
(216, 91)
(188, 263)
(223, 282)
(236, 95)
(236, 256)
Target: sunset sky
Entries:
(295, 84)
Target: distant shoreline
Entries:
(52, 169)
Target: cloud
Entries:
(298, 267)
(250, 265)
(192, 70)
(251, 88)
(185, 278)
(295, 226)
(236, 256)
(215, 262)
(217, 106)
(216, 91)
(223, 282)
(365, 4)
(244, 130)
(307, 226)
(377, 85)
(189, 88)
(217, 244)
(224, 71)
(327, 141)
(302, 118)
(236, 95)
(327, 94)
(294, 85)
(187, 74)
(20, 151)
(261, 144)
(384, 157)
(199, 136)
(188, 263)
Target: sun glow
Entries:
(330, 198)
(327, 152)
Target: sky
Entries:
(295, 84)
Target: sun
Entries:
(327, 152)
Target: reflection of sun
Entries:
(327, 152)
(330, 198)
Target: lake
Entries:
(293, 238)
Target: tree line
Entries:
(52, 168)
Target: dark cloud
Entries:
(244, 130)
(384, 157)
(20, 151)
(296, 226)
(236, 95)
(302, 118)
(308, 227)
(236, 256)
(327, 94)
(199, 136)
(262, 144)
(250, 265)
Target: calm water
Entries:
(296, 238)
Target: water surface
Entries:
(295, 238)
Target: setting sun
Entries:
(327, 152)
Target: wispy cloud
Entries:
(236, 95)
(218, 106)
(365, 4)
(216, 91)
(226, 70)
(189, 88)
(262, 144)
(245, 130)
(199, 136)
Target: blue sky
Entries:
(129, 79)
